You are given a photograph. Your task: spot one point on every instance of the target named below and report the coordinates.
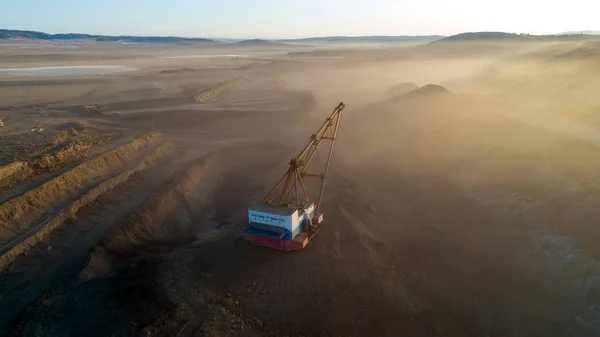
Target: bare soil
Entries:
(461, 205)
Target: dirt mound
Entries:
(27, 145)
(18, 213)
(71, 145)
(429, 90)
(400, 89)
(6, 171)
(426, 99)
(35, 154)
(417, 97)
(210, 94)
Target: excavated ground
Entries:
(19, 213)
(404, 252)
(83, 199)
(444, 215)
(26, 156)
(209, 193)
(35, 211)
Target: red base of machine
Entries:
(297, 243)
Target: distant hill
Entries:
(582, 32)
(259, 42)
(501, 36)
(33, 35)
(484, 36)
(25, 34)
(364, 39)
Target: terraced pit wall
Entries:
(20, 216)
(63, 148)
(210, 94)
(180, 210)
(170, 212)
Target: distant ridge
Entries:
(365, 38)
(484, 36)
(581, 32)
(27, 34)
(258, 42)
(470, 36)
(502, 36)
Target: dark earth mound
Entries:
(429, 90)
(400, 89)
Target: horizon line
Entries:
(577, 32)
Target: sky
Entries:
(272, 19)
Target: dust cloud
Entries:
(462, 199)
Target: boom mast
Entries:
(294, 193)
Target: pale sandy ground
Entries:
(469, 213)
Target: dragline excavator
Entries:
(287, 218)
